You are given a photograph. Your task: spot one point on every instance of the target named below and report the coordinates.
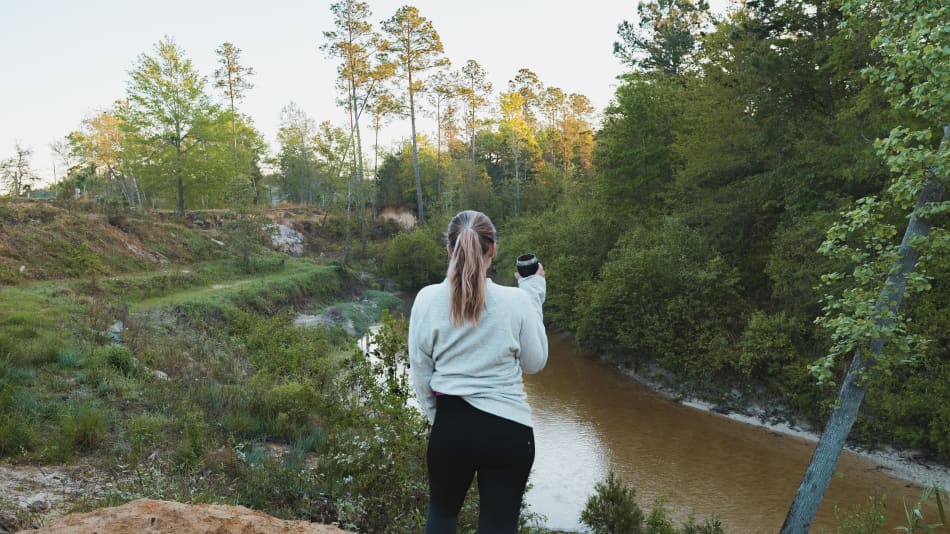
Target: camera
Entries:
(527, 264)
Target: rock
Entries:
(36, 503)
(161, 375)
(286, 239)
(8, 523)
(160, 517)
(38, 506)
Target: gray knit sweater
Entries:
(481, 363)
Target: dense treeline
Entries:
(692, 252)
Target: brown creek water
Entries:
(590, 419)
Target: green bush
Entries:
(613, 508)
(16, 434)
(664, 294)
(26, 340)
(869, 519)
(287, 408)
(195, 440)
(658, 521)
(765, 346)
(85, 427)
(285, 490)
(572, 243)
(145, 432)
(415, 260)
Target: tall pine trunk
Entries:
(415, 152)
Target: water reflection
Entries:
(590, 419)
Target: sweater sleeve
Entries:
(421, 364)
(533, 338)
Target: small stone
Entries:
(38, 506)
(161, 375)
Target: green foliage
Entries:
(869, 519)
(84, 428)
(194, 440)
(572, 241)
(634, 149)
(766, 346)
(679, 291)
(182, 147)
(613, 508)
(658, 521)
(708, 526)
(143, 432)
(377, 441)
(286, 490)
(914, 517)
(287, 408)
(17, 435)
(415, 260)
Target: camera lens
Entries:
(527, 264)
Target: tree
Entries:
(417, 48)
(295, 157)
(553, 103)
(865, 318)
(232, 78)
(666, 36)
(613, 509)
(168, 117)
(16, 172)
(516, 133)
(527, 84)
(474, 89)
(355, 44)
(444, 90)
(98, 146)
(382, 106)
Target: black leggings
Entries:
(465, 440)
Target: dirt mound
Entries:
(153, 517)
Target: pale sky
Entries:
(63, 60)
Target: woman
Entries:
(469, 342)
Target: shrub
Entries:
(862, 520)
(195, 441)
(658, 521)
(288, 408)
(85, 427)
(709, 526)
(144, 432)
(16, 434)
(613, 508)
(682, 293)
(415, 260)
(287, 491)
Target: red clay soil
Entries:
(146, 516)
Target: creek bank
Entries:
(909, 465)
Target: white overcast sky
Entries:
(63, 60)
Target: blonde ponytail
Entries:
(471, 235)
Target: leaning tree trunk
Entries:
(822, 466)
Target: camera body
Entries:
(527, 264)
